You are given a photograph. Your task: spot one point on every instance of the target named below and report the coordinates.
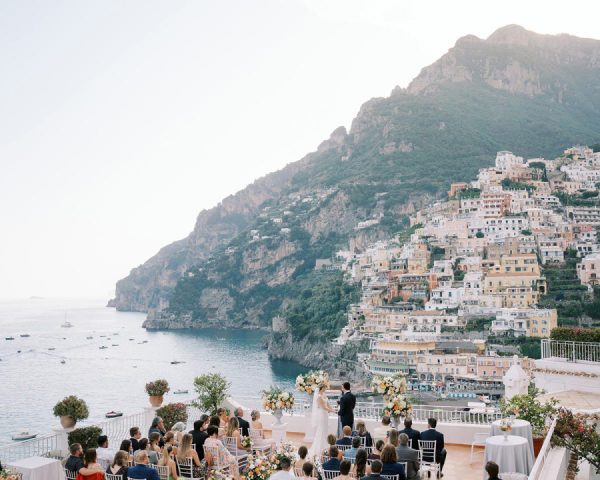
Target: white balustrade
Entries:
(571, 351)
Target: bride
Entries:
(320, 420)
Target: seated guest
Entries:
(126, 447)
(75, 462)
(345, 467)
(199, 435)
(346, 437)
(169, 440)
(393, 438)
(351, 452)
(381, 432)
(223, 417)
(157, 426)
(186, 451)
(302, 453)
(492, 470)
(331, 440)
(215, 421)
(141, 470)
(153, 440)
(376, 467)
(224, 456)
(177, 431)
(244, 425)
(104, 454)
(413, 434)
(307, 470)
(119, 464)
(376, 451)
(145, 446)
(284, 474)
(360, 468)
(433, 434)
(135, 434)
(408, 455)
(333, 463)
(233, 431)
(390, 463)
(255, 423)
(90, 461)
(167, 461)
(361, 431)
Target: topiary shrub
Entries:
(86, 436)
(172, 413)
(73, 407)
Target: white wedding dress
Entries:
(320, 419)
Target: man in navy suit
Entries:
(141, 470)
(346, 439)
(347, 403)
(244, 425)
(376, 467)
(413, 435)
(433, 434)
(333, 463)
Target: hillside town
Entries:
(472, 270)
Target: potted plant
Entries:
(212, 390)
(156, 391)
(172, 413)
(528, 407)
(70, 409)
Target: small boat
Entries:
(115, 344)
(52, 348)
(10, 338)
(103, 347)
(89, 338)
(67, 325)
(24, 335)
(145, 341)
(113, 414)
(23, 436)
(179, 392)
(131, 339)
(176, 362)
(63, 361)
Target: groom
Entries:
(347, 403)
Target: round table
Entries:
(520, 428)
(39, 468)
(511, 454)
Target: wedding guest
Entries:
(331, 440)
(233, 431)
(244, 425)
(75, 462)
(157, 426)
(90, 460)
(361, 467)
(390, 463)
(119, 464)
(224, 457)
(153, 440)
(223, 417)
(104, 454)
(145, 446)
(167, 461)
(492, 470)
(199, 435)
(351, 452)
(284, 474)
(393, 438)
(302, 453)
(376, 452)
(215, 421)
(333, 463)
(177, 430)
(126, 447)
(186, 451)
(141, 470)
(307, 470)
(376, 467)
(169, 441)
(433, 434)
(346, 439)
(361, 431)
(413, 435)
(135, 434)
(381, 432)
(409, 455)
(255, 423)
(345, 466)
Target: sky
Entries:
(121, 120)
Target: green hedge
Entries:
(86, 436)
(576, 334)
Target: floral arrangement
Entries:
(311, 381)
(277, 399)
(73, 407)
(157, 388)
(389, 386)
(258, 468)
(171, 413)
(506, 425)
(579, 434)
(10, 475)
(216, 475)
(246, 442)
(285, 450)
(396, 406)
(528, 407)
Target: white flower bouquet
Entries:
(397, 406)
(277, 399)
(389, 386)
(311, 381)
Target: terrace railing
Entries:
(571, 351)
(538, 466)
(43, 446)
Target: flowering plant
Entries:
(216, 475)
(311, 381)
(157, 388)
(528, 407)
(172, 413)
(396, 406)
(258, 468)
(10, 475)
(389, 386)
(246, 442)
(285, 450)
(73, 407)
(579, 434)
(276, 399)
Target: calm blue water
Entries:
(32, 381)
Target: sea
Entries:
(54, 361)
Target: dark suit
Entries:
(411, 457)
(332, 464)
(142, 472)
(244, 425)
(373, 476)
(414, 437)
(198, 438)
(135, 445)
(74, 464)
(440, 451)
(394, 469)
(344, 441)
(346, 411)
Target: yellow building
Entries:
(517, 279)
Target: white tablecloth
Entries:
(39, 468)
(520, 428)
(511, 455)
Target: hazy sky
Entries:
(121, 120)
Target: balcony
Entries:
(582, 352)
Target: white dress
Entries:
(320, 419)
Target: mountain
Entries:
(253, 256)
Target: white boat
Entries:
(67, 325)
(179, 392)
(23, 436)
(113, 414)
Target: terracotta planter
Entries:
(67, 422)
(537, 445)
(156, 400)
